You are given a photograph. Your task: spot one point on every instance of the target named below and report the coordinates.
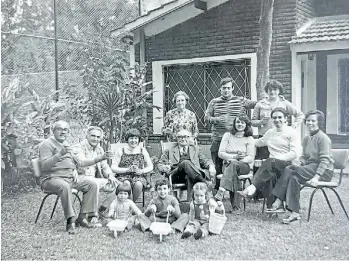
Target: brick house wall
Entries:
(233, 33)
(227, 30)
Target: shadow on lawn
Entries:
(248, 236)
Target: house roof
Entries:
(152, 15)
(175, 11)
(323, 29)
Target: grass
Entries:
(248, 236)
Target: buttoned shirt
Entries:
(84, 151)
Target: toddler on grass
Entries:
(123, 208)
(199, 213)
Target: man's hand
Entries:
(152, 208)
(108, 155)
(223, 119)
(66, 149)
(170, 209)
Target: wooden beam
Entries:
(199, 4)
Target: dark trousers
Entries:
(217, 161)
(266, 177)
(288, 187)
(187, 172)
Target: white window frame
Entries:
(333, 111)
(158, 80)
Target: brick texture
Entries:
(233, 28)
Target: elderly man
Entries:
(185, 162)
(220, 114)
(92, 162)
(60, 176)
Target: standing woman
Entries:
(284, 147)
(132, 163)
(237, 150)
(180, 118)
(261, 114)
(315, 164)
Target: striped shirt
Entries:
(230, 107)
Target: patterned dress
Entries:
(176, 120)
(128, 160)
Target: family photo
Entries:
(175, 129)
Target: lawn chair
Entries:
(37, 173)
(176, 188)
(340, 157)
(115, 147)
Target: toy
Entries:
(159, 228)
(116, 226)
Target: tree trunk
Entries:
(264, 45)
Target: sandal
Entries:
(290, 219)
(275, 210)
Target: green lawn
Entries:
(248, 236)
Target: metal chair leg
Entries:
(42, 204)
(264, 201)
(340, 201)
(54, 207)
(311, 202)
(143, 202)
(328, 202)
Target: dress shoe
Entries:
(82, 222)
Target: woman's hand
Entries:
(315, 180)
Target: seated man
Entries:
(185, 162)
(92, 162)
(60, 176)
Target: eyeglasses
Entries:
(183, 137)
(61, 129)
(277, 117)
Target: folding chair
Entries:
(117, 146)
(340, 157)
(176, 188)
(37, 173)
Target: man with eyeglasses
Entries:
(186, 162)
(60, 176)
(220, 114)
(92, 162)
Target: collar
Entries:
(227, 99)
(313, 133)
(265, 100)
(88, 146)
(53, 138)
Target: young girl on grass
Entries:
(199, 213)
(123, 208)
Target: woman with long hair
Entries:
(237, 151)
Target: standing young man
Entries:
(220, 114)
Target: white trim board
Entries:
(333, 107)
(158, 80)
